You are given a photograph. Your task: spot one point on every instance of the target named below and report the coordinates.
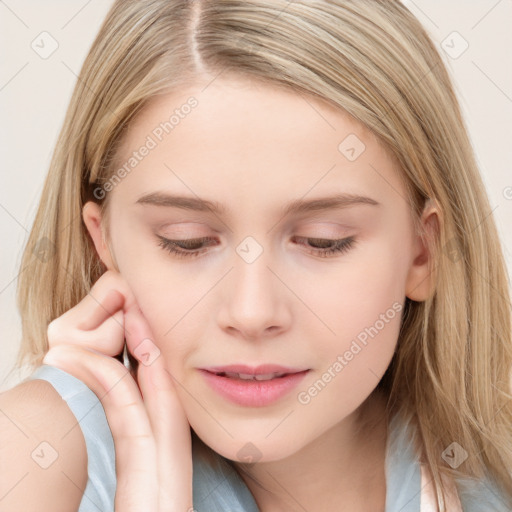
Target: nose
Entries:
(255, 305)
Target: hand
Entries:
(150, 429)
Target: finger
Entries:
(172, 435)
(101, 301)
(108, 338)
(137, 487)
(88, 314)
(166, 415)
(98, 305)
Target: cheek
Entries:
(174, 312)
(366, 289)
(351, 362)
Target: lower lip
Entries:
(253, 393)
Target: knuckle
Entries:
(53, 331)
(111, 280)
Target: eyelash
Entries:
(341, 246)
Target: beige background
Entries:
(34, 93)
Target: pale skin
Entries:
(253, 149)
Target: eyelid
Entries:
(339, 246)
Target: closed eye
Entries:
(194, 247)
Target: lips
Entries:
(253, 386)
(254, 371)
(249, 376)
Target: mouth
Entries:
(253, 387)
(248, 376)
(269, 370)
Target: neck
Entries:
(341, 470)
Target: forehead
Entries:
(251, 139)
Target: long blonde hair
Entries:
(451, 371)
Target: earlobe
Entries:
(91, 215)
(420, 284)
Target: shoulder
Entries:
(43, 456)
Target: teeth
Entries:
(247, 376)
(268, 376)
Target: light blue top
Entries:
(220, 488)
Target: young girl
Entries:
(263, 275)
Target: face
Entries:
(271, 272)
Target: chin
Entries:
(249, 452)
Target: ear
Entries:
(420, 281)
(91, 214)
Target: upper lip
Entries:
(261, 369)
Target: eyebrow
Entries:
(297, 206)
